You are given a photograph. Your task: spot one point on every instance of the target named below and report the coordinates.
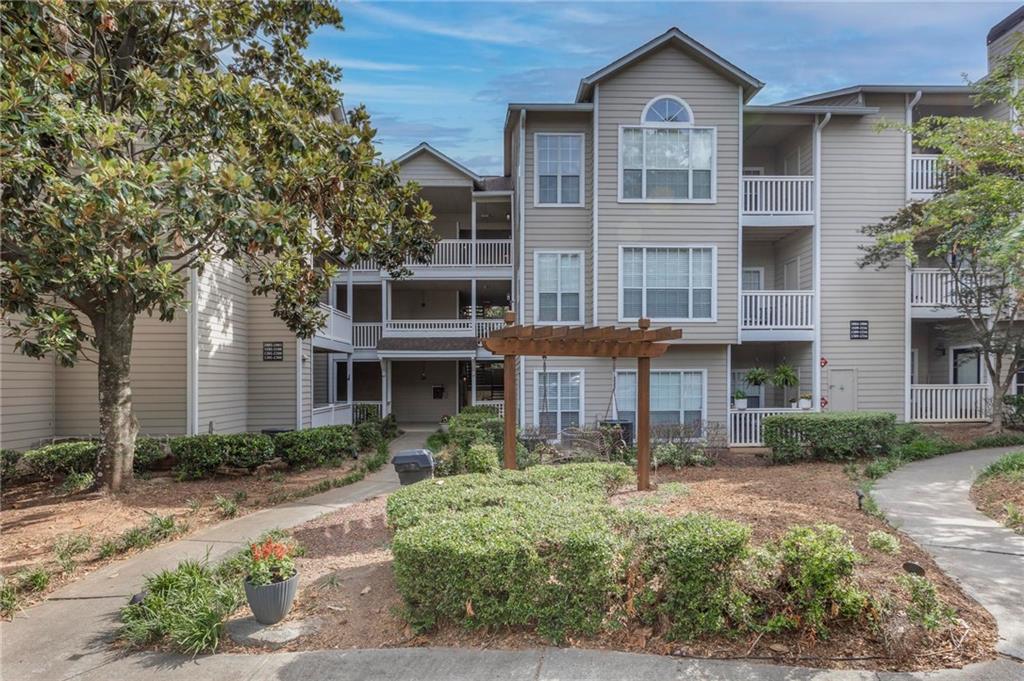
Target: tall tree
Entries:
(143, 140)
(975, 223)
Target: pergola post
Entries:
(643, 418)
(510, 392)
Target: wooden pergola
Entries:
(514, 341)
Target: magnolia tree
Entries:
(143, 140)
(975, 223)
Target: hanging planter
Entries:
(272, 583)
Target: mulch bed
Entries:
(993, 494)
(347, 580)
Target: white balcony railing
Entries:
(491, 252)
(936, 286)
(365, 335)
(778, 309)
(497, 404)
(927, 175)
(485, 326)
(338, 326)
(432, 327)
(745, 425)
(935, 402)
(362, 411)
(332, 415)
(778, 194)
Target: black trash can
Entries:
(625, 426)
(413, 465)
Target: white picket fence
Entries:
(745, 425)
(943, 403)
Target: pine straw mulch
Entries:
(993, 495)
(347, 581)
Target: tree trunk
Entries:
(997, 410)
(114, 329)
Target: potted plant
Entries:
(756, 377)
(272, 581)
(785, 377)
(739, 399)
(805, 400)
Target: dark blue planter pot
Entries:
(271, 602)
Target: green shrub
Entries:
(200, 456)
(689, 568)
(67, 547)
(62, 458)
(34, 580)
(999, 440)
(368, 435)
(828, 436)
(884, 542)
(74, 483)
(9, 459)
(924, 447)
(1011, 465)
(479, 458)
(437, 441)
(925, 608)
(315, 446)
(1013, 410)
(389, 427)
(147, 452)
(817, 575)
(682, 454)
(8, 598)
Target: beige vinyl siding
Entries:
(933, 366)
(862, 181)
(27, 397)
(714, 102)
(430, 171)
(222, 306)
(412, 385)
(271, 385)
(800, 245)
(158, 378)
(561, 228)
(597, 379)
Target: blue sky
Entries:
(444, 72)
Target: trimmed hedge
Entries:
(316, 446)
(9, 459)
(147, 452)
(200, 456)
(62, 458)
(828, 436)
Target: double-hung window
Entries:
(666, 157)
(667, 283)
(559, 399)
(559, 286)
(677, 397)
(559, 169)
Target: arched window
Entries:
(667, 110)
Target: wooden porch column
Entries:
(510, 402)
(643, 418)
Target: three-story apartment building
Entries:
(659, 192)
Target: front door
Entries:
(966, 366)
(843, 390)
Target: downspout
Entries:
(192, 356)
(908, 364)
(816, 363)
(595, 240)
(521, 303)
(739, 245)
(298, 384)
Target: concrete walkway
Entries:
(929, 501)
(68, 633)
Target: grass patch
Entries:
(1010, 466)
(68, 547)
(884, 542)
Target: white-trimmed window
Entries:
(1019, 379)
(677, 397)
(666, 157)
(667, 283)
(558, 396)
(558, 287)
(558, 169)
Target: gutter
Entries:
(908, 365)
(816, 363)
(594, 203)
(521, 303)
(192, 357)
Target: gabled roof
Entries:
(1005, 26)
(810, 109)
(423, 147)
(861, 90)
(677, 38)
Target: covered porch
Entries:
(948, 379)
(778, 274)
(766, 379)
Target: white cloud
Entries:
(371, 65)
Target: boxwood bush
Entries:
(200, 456)
(62, 458)
(9, 459)
(148, 451)
(316, 446)
(828, 436)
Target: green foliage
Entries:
(757, 376)
(228, 507)
(784, 376)
(1013, 410)
(68, 547)
(9, 599)
(147, 452)
(158, 528)
(62, 458)
(437, 441)
(316, 446)
(368, 435)
(926, 608)
(828, 436)
(884, 542)
(1009, 466)
(199, 456)
(74, 483)
(817, 575)
(999, 440)
(1014, 517)
(34, 580)
(682, 454)
(9, 459)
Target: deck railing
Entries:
(485, 326)
(339, 414)
(745, 425)
(927, 175)
(433, 327)
(778, 194)
(937, 287)
(778, 309)
(365, 335)
(941, 403)
(338, 326)
(362, 411)
(457, 253)
(497, 404)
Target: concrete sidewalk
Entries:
(68, 633)
(929, 501)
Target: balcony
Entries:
(778, 200)
(336, 333)
(927, 176)
(777, 315)
(367, 334)
(933, 292)
(939, 403)
(745, 425)
(466, 253)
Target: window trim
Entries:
(536, 395)
(714, 165)
(678, 370)
(536, 175)
(667, 124)
(692, 320)
(536, 288)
